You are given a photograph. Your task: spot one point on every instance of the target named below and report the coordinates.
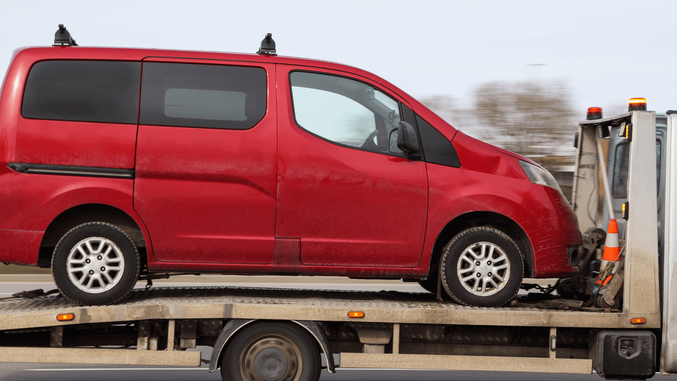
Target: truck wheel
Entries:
(482, 267)
(95, 263)
(270, 352)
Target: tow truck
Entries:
(622, 329)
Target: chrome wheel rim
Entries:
(95, 265)
(272, 358)
(483, 269)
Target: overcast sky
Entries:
(606, 51)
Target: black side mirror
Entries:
(407, 141)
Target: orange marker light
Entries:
(638, 320)
(637, 104)
(628, 132)
(356, 314)
(65, 317)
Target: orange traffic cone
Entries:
(611, 251)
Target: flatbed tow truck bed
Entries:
(294, 304)
(398, 330)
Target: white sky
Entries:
(606, 51)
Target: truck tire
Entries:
(95, 263)
(481, 267)
(271, 351)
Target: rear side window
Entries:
(88, 91)
(210, 96)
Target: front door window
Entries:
(344, 111)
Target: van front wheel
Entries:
(482, 267)
(95, 263)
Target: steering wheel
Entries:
(369, 143)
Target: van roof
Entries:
(138, 54)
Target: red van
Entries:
(121, 164)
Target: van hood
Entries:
(476, 155)
(515, 155)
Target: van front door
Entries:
(350, 195)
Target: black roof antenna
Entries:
(63, 38)
(267, 46)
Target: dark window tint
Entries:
(212, 96)
(619, 185)
(658, 166)
(90, 91)
(436, 147)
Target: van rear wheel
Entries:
(482, 267)
(95, 263)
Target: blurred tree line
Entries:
(529, 118)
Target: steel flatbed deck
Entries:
(297, 304)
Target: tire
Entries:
(95, 263)
(271, 351)
(481, 267)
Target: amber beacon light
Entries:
(637, 104)
(594, 113)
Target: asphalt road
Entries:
(40, 372)
(10, 284)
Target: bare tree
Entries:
(527, 118)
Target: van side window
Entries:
(209, 96)
(87, 91)
(344, 111)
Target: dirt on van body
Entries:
(16, 269)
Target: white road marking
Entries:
(205, 368)
(109, 369)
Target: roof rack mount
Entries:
(63, 38)
(267, 46)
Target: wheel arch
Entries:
(80, 214)
(235, 325)
(483, 218)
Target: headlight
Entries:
(538, 175)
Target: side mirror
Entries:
(407, 141)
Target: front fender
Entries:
(542, 213)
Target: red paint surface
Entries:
(349, 207)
